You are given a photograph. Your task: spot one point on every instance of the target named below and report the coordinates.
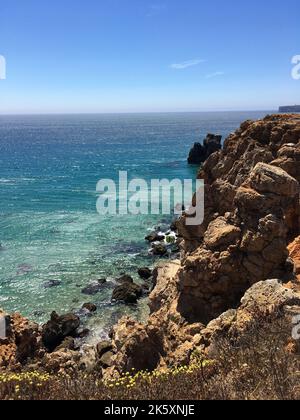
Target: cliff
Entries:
(241, 266)
(229, 263)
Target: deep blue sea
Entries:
(49, 227)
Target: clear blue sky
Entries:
(143, 55)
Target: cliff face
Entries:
(251, 215)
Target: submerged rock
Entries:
(93, 288)
(52, 283)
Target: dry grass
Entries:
(257, 367)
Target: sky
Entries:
(90, 56)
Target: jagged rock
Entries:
(267, 298)
(220, 234)
(199, 153)
(269, 179)
(58, 328)
(88, 359)
(145, 273)
(127, 292)
(21, 342)
(82, 332)
(63, 360)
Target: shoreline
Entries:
(237, 257)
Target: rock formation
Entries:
(199, 153)
(128, 291)
(250, 235)
(251, 215)
(21, 342)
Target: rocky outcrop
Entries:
(58, 328)
(93, 288)
(251, 215)
(267, 299)
(199, 153)
(21, 342)
(127, 292)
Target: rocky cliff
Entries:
(251, 216)
(241, 264)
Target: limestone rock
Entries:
(270, 179)
(21, 342)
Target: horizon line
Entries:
(135, 112)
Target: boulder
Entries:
(58, 328)
(127, 292)
(125, 279)
(67, 344)
(106, 361)
(270, 179)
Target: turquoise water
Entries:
(49, 227)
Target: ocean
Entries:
(50, 230)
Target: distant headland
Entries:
(292, 108)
